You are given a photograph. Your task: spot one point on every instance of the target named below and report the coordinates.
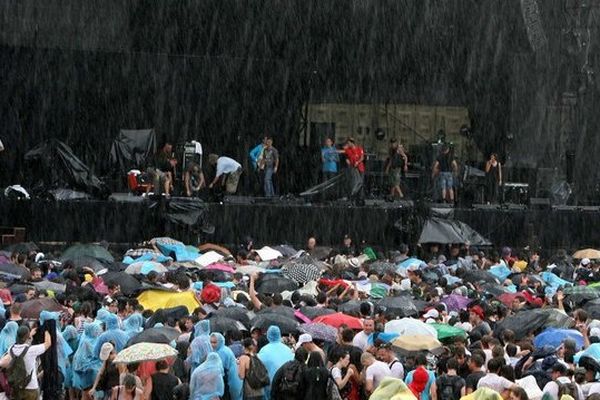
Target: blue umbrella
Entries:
(554, 337)
(410, 261)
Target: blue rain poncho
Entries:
(274, 355)
(71, 336)
(112, 334)
(198, 345)
(86, 363)
(207, 380)
(133, 325)
(63, 350)
(230, 366)
(8, 336)
(102, 315)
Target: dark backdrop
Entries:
(225, 71)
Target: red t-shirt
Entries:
(354, 154)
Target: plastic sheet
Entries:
(133, 149)
(445, 231)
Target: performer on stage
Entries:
(493, 174)
(269, 163)
(396, 165)
(355, 156)
(227, 168)
(162, 172)
(445, 168)
(330, 159)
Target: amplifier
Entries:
(515, 193)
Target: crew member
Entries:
(193, 179)
(355, 156)
(445, 167)
(228, 172)
(396, 165)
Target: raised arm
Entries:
(252, 292)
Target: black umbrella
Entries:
(351, 307)
(593, 308)
(381, 267)
(223, 324)
(95, 264)
(273, 283)
(524, 322)
(478, 275)
(33, 308)
(52, 286)
(14, 270)
(27, 247)
(18, 288)
(285, 324)
(237, 313)
(280, 310)
(164, 315)
(314, 312)
(400, 306)
(164, 334)
(129, 285)
(86, 250)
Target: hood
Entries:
(202, 328)
(220, 341)
(70, 333)
(102, 314)
(134, 323)
(112, 322)
(48, 315)
(92, 330)
(274, 334)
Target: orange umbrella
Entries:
(338, 319)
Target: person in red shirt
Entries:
(355, 156)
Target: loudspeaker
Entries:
(539, 203)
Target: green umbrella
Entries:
(446, 331)
(583, 290)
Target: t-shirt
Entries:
(473, 379)
(270, 157)
(425, 392)
(30, 361)
(355, 353)
(376, 372)
(397, 369)
(445, 162)
(330, 159)
(483, 329)
(226, 165)
(494, 382)
(552, 388)
(354, 154)
(360, 340)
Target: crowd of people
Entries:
(279, 323)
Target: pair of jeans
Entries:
(269, 189)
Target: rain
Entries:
(369, 199)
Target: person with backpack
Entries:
(252, 372)
(286, 382)
(22, 370)
(341, 372)
(449, 386)
(561, 384)
(315, 378)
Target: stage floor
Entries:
(379, 223)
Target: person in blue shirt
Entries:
(258, 173)
(330, 158)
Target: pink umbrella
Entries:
(221, 267)
(301, 317)
(455, 302)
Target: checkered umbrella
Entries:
(593, 292)
(302, 270)
(319, 331)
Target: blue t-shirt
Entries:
(330, 159)
(425, 393)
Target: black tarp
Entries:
(132, 149)
(446, 231)
(187, 212)
(59, 167)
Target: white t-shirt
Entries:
(226, 165)
(376, 372)
(336, 373)
(397, 369)
(552, 388)
(30, 361)
(495, 382)
(360, 340)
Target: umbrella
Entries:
(401, 306)
(26, 247)
(285, 324)
(381, 267)
(163, 334)
(589, 291)
(524, 322)
(33, 308)
(271, 283)
(223, 324)
(507, 298)
(98, 266)
(14, 270)
(556, 318)
(18, 288)
(446, 231)
(237, 313)
(554, 337)
(592, 254)
(410, 326)
(314, 312)
(281, 310)
(164, 315)
(145, 352)
(301, 272)
(409, 344)
(129, 285)
(478, 275)
(445, 331)
(144, 267)
(411, 261)
(593, 308)
(47, 285)
(338, 319)
(350, 307)
(455, 302)
(86, 250)
(319, 331)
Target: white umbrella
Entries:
(410, 326)
(143, 267)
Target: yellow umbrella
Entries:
(416, 343)
(592, 254)
(155, 299)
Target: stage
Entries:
(133, 220)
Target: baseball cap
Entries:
(433, 313)
(105, 351)
(585, 261)
(478, 311)
(304, 338)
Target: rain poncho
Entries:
(112, 334)
(198, 347)
(392, 389)
(8, 336)
(63, 350)
(483, 394)
(133, 325)
(553, 282)
(71, 336)
(207, 380)
(274, 354)
(85, 362)
(230, 366)
(102, 315)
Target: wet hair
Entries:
(129, 381)
(365, 308)
(521, 394)
(420, 359)
(508, 372)
(347, 335)
(452, 364)
(321, 297)
(161, 364)
(498, 351)
(511, 350)
(301, 355)
(477, 360)
(338, 355)
(495, 364)
(247, 342)
(277, 299)
(22, 334)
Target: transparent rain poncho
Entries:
(207, 382)
(8, 336)
(230, 366)
(112, 334)
(198, 347)
(274, 354)
(85, 362)
(133, 325)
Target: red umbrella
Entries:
(338, 319)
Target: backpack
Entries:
(257, 376)
(448, 387)
(17, 375)
(290, 382)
